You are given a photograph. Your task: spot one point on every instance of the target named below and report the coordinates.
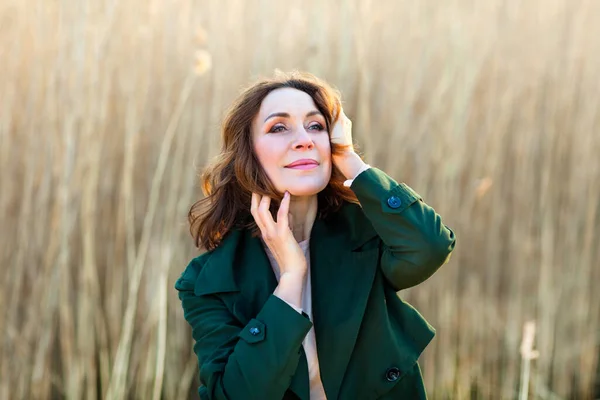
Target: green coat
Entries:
(249, 342)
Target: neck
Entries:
(303, 210)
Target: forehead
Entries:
(286, 100)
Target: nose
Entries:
(303, 140)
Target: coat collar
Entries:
(218, 272)
(341, 278)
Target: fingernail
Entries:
(286, 194)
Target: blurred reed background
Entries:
(488, 109)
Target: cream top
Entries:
(317, 392)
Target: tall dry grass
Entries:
(489, 109)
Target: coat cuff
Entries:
(376, 185)
(348, 182)
(281, 321)
(298, 309)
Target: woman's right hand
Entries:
(278, 235)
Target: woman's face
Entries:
(292, 143)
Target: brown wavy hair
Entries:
(229, 180)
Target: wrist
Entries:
(292, 277)
(349, 164)
(290, 288)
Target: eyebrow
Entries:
(286, 115)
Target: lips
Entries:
(303, 162)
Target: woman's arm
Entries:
(256, 361)
(415, 240)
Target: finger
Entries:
(290, 220)
(265, 215)
(254, 211)
(254, 203)
(282, 213)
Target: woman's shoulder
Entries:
(352, 216)
(221, 256)
(188, 277)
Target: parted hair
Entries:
(229, 180)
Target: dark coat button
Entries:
(254, 331)
(392, 374)
(394, 202)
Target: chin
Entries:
(305, 189)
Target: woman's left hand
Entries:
(348, 162)
(341, 134)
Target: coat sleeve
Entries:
(256, 361)
(415, 240)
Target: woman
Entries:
(307, 246)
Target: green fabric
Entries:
(249, 342)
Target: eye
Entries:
(276, 128)
(318, 127)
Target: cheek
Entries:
(268, 153)
(325, 148)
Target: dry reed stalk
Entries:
(162, 284)
(527, 354)
(116, 387)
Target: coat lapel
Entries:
(240, 264)
(341, 277)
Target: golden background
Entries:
(108, 109)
